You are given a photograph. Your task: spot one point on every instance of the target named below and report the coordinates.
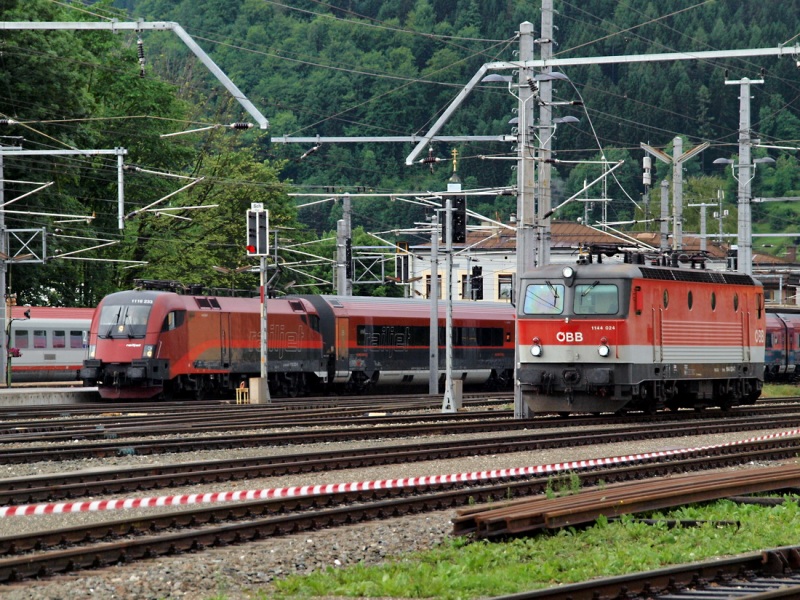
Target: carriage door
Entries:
(342, 345)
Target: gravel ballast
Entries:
(242, 571)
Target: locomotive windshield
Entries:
(596, 299)
(124, 320)
(544, 299)
(588, 298)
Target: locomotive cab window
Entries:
(596, 299)
(173, 320)
(124, 320)
(544, 299)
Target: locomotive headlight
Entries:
(568, 273)
(149, 351)
(92, 351)
(603, 349)
(536, 347)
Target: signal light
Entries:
(257, 228)
(348, 258)
(459, 219)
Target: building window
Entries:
(505, 287)
(428, 286)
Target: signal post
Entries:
(258, 245)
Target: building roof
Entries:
(564, 235)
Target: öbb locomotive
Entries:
(161, 344)
(607, 337)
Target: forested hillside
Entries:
(362, 68)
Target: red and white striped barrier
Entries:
(319, 490)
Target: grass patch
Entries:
(783, 390)
(460, 569)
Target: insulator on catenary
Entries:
(7, 122)
(241, 125)
(140, 52)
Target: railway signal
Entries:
(257, 228)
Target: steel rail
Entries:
(42, 553)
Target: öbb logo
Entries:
(569, 336)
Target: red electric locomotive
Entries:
(147, 343)
(600, 337)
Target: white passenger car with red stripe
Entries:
(597, 337)
(49, 344)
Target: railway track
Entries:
(192, 529)
(54, 487)
(118, 541)
(106, 442)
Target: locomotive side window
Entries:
(735, 302)
(173, 320)
(544, 299)
(59, 339)
(596, 299)
(713, 301)
(690, 300)
(666, 298)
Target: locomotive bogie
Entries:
(606, 338)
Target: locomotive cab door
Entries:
(225, 340)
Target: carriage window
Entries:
(544, 299)
(21, 339)
(596, 299)
(39, 338)
(77, 339)
(59, 339)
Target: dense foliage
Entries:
(358, 68)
